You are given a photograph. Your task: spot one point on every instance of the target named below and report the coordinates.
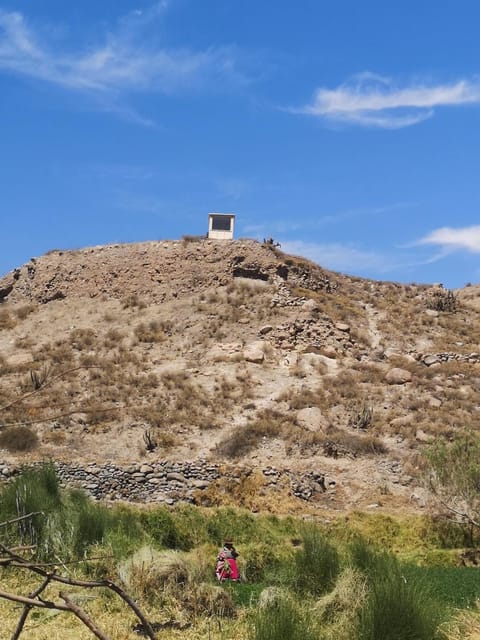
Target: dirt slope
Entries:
(233, 351)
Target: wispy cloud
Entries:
(371, 100)
(449, 239)
(128, 59)
(339, 257)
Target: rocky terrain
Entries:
(217, 371)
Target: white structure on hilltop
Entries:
(220, 226)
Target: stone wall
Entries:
(168, 482)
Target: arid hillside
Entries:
(234, 353)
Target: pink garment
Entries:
(227, 569)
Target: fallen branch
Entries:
(34, 600)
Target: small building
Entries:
(220, 226)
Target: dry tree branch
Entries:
(28, 515)
(59, 415)
(14, 560)
(48, 383)
(27, 607)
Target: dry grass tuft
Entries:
(18, 439)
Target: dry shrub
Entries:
(82, 339)
(338, 610)
(59, 353)
(176, 575)
(7, 321)
(133, 302)
(188, 239)
(269, 424)
(208, 599)
(24, 311)
(303, 398)
(18, 439)
(346, 443)
(97, 414)
(148, 571)
(113, 338)
(464, 626)
(151, 332)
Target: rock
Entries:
(200, 484)
(146, 468)
(421, 436)
(265, 329)
(342, 326)
(310, 418)
(255, 352)
(435, 403)
(225, 351)
(330, 352)
(177, 477)
(398, 376)
(310, 306)
(431, 312)
(432, 359)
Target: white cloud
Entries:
(338, 257)
(126, 59)
(374, 101)
(466, 238)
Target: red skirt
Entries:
(227, 570)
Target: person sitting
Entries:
(227, 568)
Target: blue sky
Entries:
(349, 131)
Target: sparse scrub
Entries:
(442, 300)
(361, 416)
(151, 332)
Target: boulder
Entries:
(398, 376)
(255, 352)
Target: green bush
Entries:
(399, 609)
(396, 607)
(317, 563)
(279, 617)
(34, 491)
(90, 521)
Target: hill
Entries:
(220, 355)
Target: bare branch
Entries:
(59, 376)
(27, 607)
(59, 415)
(87, 621)
(28, 515)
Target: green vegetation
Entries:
(355, 579)
(455, 477)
